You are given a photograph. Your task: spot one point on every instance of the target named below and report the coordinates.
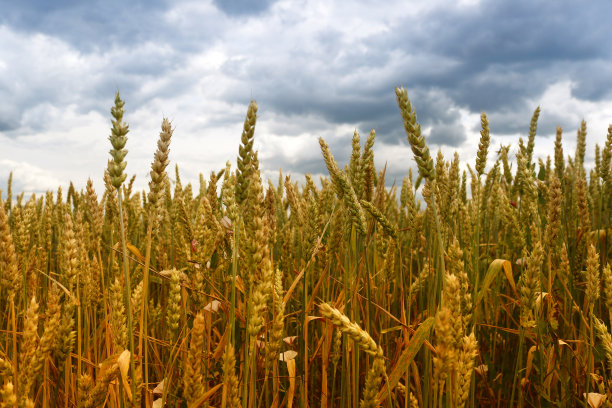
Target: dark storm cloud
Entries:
(524, 31)
(500, 55)
(379, 112)
(294, 88)
(512, 51)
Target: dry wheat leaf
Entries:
(213, 306)
(291, 393)
(411, 350)
(135, 251)
(200, 401)
(239, 284)
(595, 399)
(220, 345)
(124, 365)
(481, 370)
(496, 266)
(290, 339)
(288, 355)
(292, 287)
(159, 389)
(529, 365)
(540, 296)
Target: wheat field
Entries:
(460, 288)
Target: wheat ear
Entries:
(360, 336)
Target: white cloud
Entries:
(28, 178)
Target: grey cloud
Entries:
(99, 25)
(508, 52)
(447, 134)
(309, 166)
(439, 111)
(343, 103)
(9, 117)
(242, 7)
(518, 121)
(492, 58)
(592, 81)
(382, 113)
(389, 128)
(91, 25)
(87, 87)
(6, 125)
(522, 31)
(499, 87)
(512, 50)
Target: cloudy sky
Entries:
(316, 68)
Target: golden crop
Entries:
(344, 293)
